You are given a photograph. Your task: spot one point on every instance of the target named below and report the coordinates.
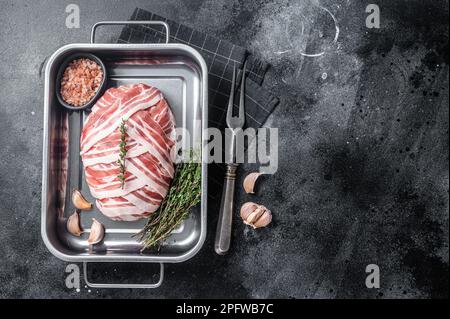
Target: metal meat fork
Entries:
(223, 233)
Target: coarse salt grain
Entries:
(80, 81)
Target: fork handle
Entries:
(223, 232)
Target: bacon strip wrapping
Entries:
(150, 140)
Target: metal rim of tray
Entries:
(203, 206)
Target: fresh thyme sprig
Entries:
(123, 152)
(184, 193)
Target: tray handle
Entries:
(141, 286)
(95, 26)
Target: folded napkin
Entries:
(220, 57)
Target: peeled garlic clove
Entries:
(79, 201)
(249, 182)
(97, 232)
(74, 225)
(255, 215)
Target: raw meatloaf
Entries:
(150, 137)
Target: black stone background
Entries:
(363, 151)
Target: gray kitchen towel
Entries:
(220, 57)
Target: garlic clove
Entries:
(73, 224)
(249, 182)
(255, 215)
(264, 220)
(247, 209)
(79, 201)
(97, 232)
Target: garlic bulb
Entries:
(249, 182)
(73, 224)
(255, 215)
(79, 201)
(97, 232)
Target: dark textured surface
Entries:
(363, 166)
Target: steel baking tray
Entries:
(181, 74)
